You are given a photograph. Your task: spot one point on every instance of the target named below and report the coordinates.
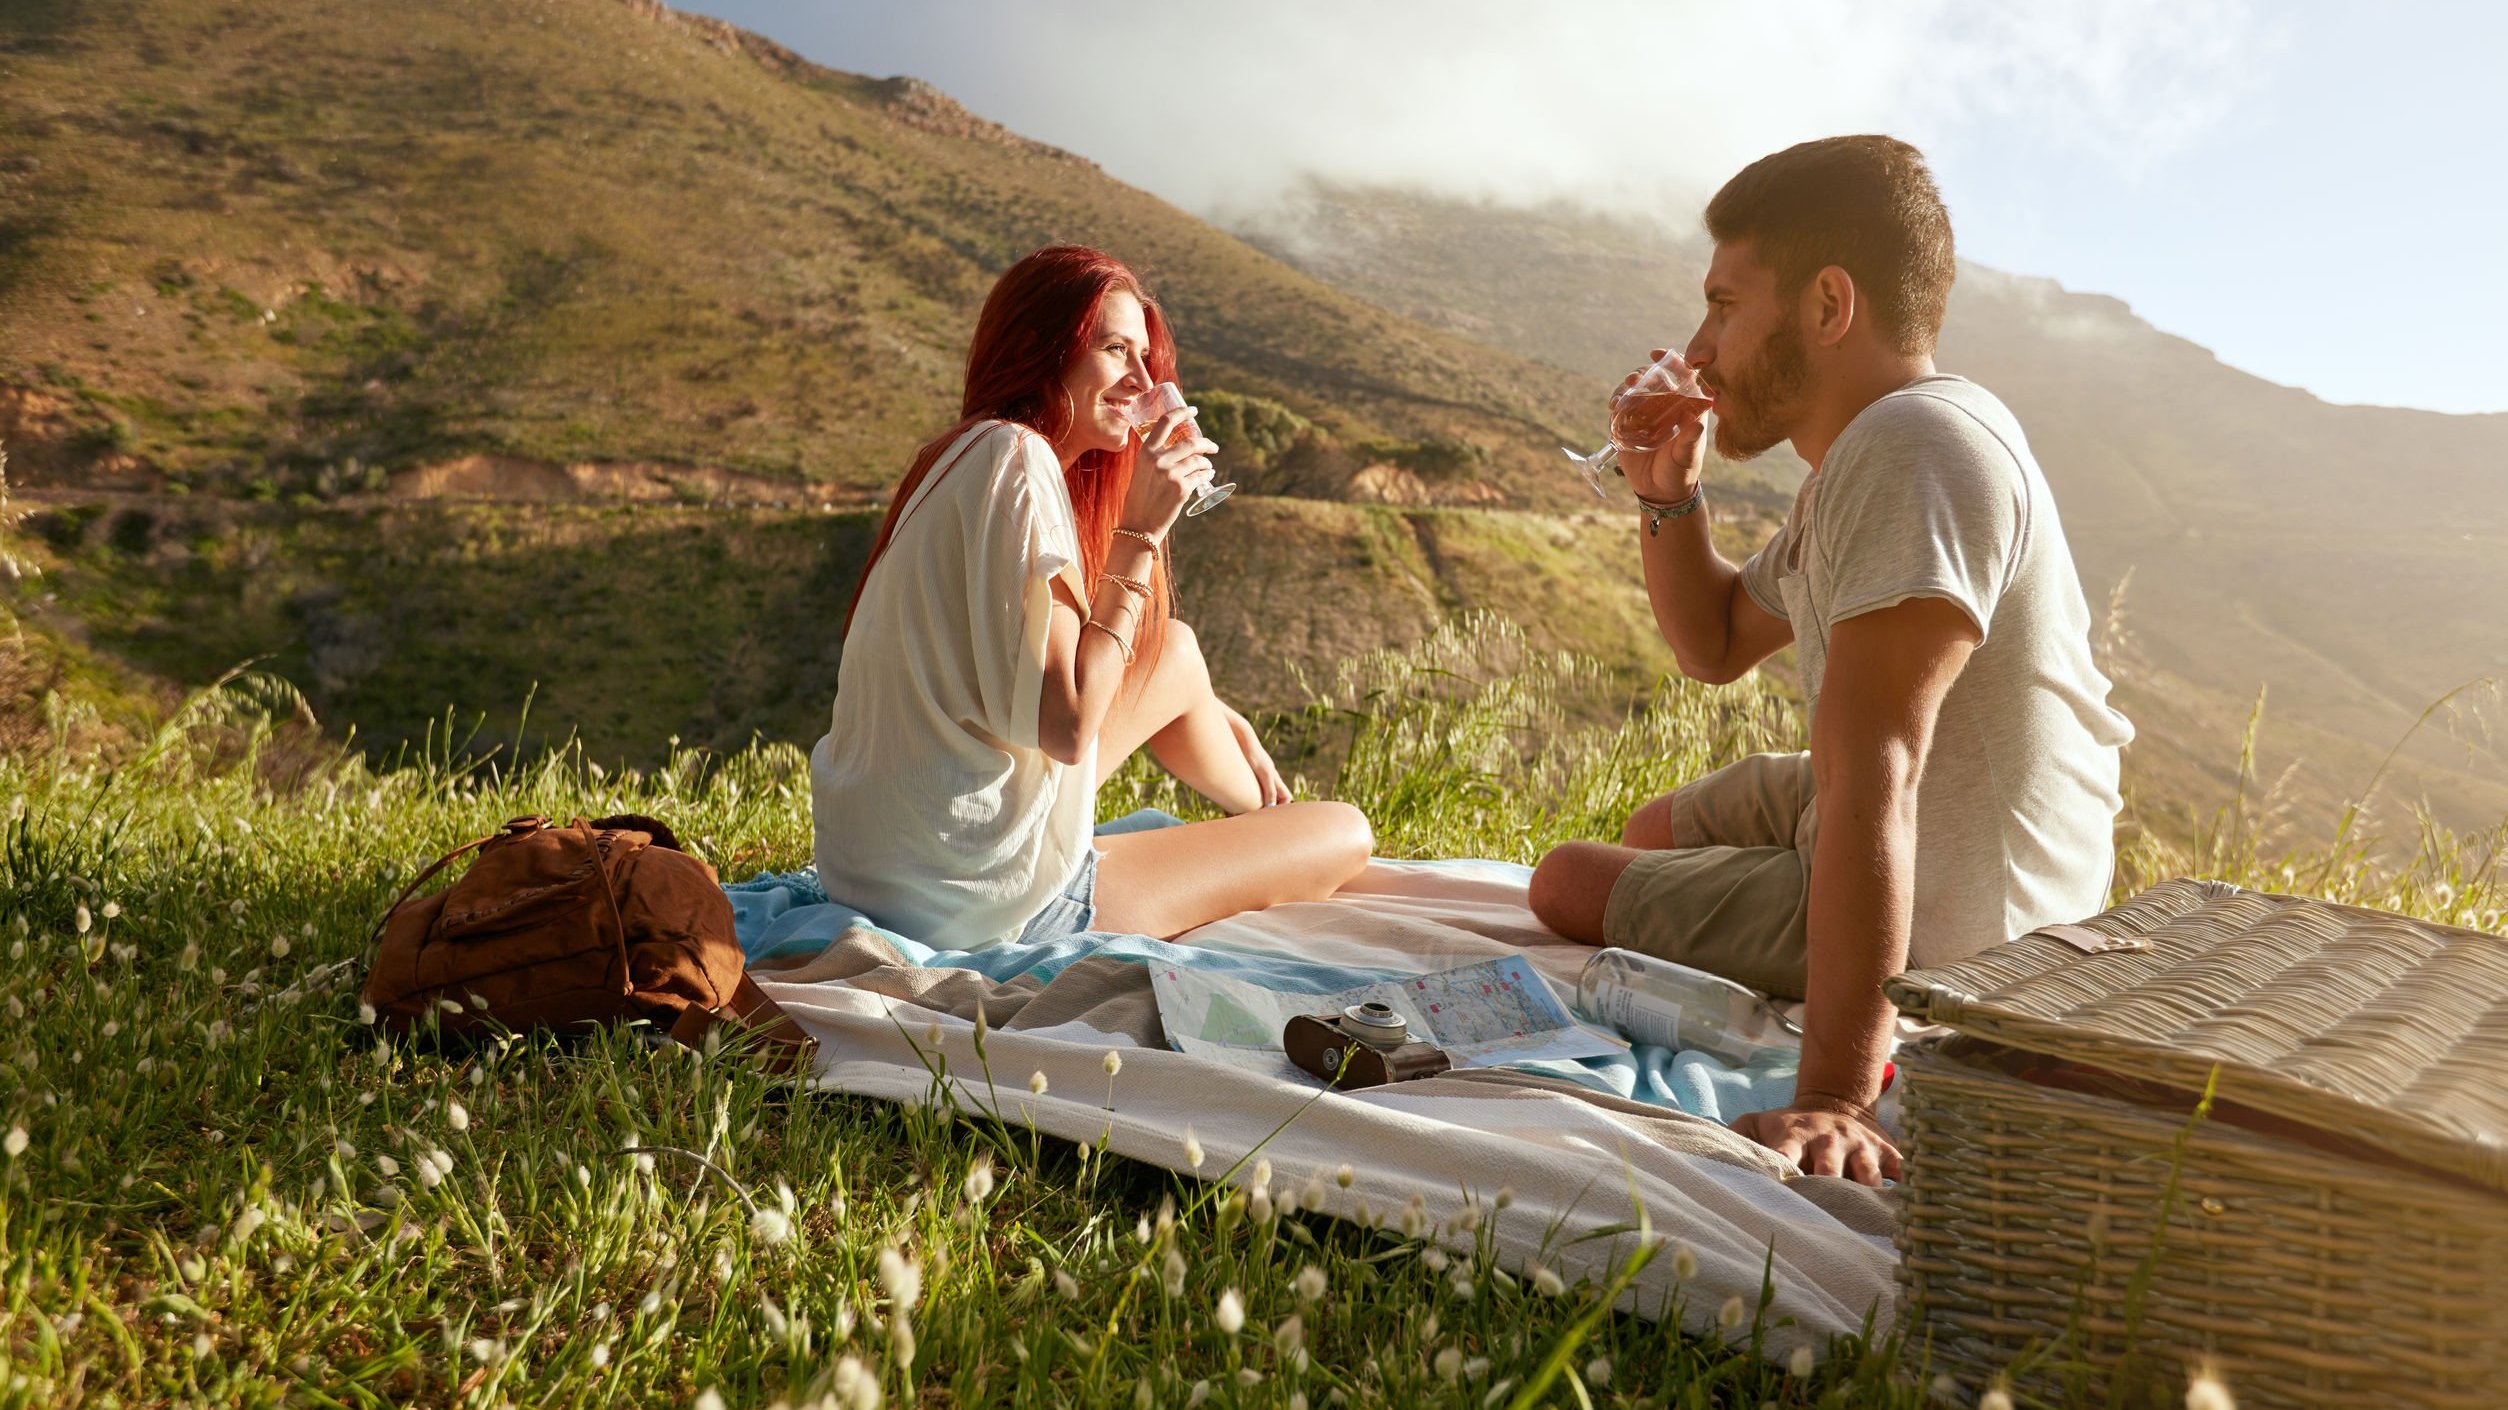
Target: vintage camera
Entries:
(1364, 1045)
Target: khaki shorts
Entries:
(1732, 896)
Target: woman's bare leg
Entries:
(1167, 881)
(1170, 708)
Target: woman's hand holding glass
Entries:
(1163, 479)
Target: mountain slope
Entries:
(2350, 558)
(261, 246)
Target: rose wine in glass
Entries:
(1144, 414)
(1644, 415)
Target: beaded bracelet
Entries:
(1146, 538)
(1657, 513)
(1112, 635)
(1134, 586)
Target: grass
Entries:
(221, 1186)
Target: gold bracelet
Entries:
(1134, 586)
(1149, 539)
(1120, 644)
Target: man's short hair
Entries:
(1865, 204)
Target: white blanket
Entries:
(1574, 1160)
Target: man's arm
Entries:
(1888, 672)
(1714, 628)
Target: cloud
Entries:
(1624, 104)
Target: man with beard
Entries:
(1924, 579)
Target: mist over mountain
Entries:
(2351, 559)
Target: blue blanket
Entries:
(788, 915)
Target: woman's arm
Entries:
(1088, 646)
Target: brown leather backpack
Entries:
(595, 922)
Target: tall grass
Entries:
(219, 1184)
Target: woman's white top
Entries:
(936, 812)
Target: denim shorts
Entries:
(1070, 913)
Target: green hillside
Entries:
(297, 247)
(634, 625)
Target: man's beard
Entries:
(1758, 407)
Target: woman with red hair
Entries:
(1010, 645)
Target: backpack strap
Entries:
(522, 826)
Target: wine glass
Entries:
(1644, 414)
(1157, 402)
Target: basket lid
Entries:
(2370, 1025)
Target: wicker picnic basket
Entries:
(2334, 1229)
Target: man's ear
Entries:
(1830, 305)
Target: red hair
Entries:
(1040, 317)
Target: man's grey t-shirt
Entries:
(1932, 492)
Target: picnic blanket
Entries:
(1577, 1146)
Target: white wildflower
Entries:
(979, 1186)
(1037, 1082)
(1262, 1172)
(1231, 1313)
(2206, 1391)
(1449, 1365)
(111, 909)
(1435, 1258)
(1172, 1275)
(1476, 1368)
(1313, 1196)
(457, 1116)
(900, 1278)
(202, 1345)
(387, 1165)
(1114, 1062)
(1684, 1263)
(1799, 1364)
(1192, 1149)
(279, 948)
(1546, 1282)
(1464, 1287)
(83, 920)
(583, 1177)
(1288, 1336)
(14, 1142)
(1309, 1284)
(1199, 1393)
(1598, 1372)
(1731, 1313)
(1065, 1284)
(901, 1340)
(600, 1355)
(707, 1399)
(770, 1225)
(1995, 1398)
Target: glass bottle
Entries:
(1649, 1000)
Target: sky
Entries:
(2316, 192)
